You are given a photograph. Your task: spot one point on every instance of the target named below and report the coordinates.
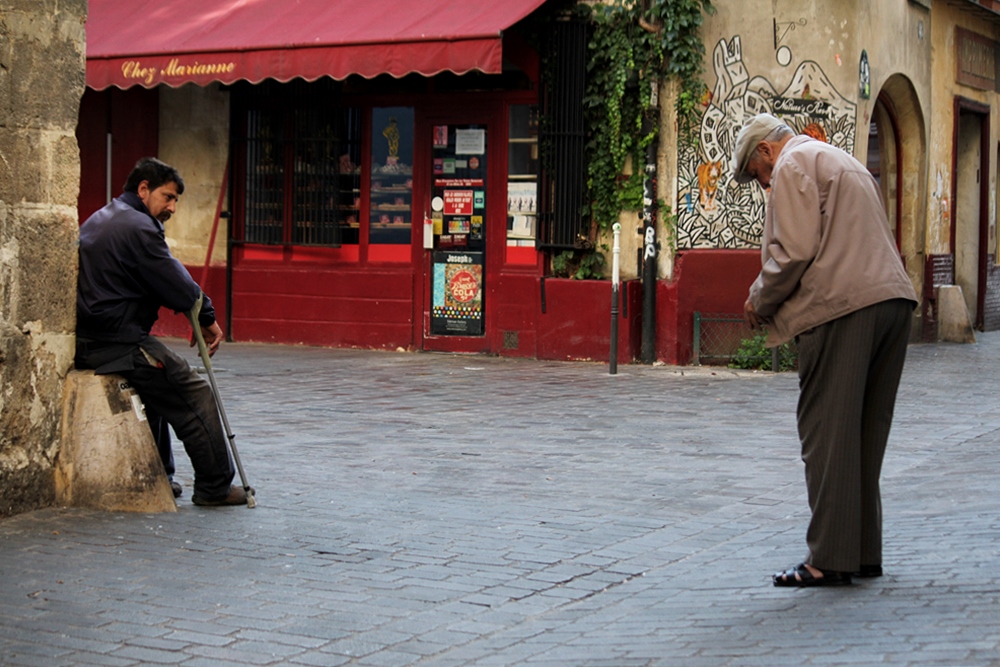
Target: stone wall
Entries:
(42, 51)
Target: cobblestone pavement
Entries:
(424, 509)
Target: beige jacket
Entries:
(826, 248)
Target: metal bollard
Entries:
(615, 284)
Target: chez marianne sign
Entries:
(175, 72)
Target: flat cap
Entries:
(752, 133)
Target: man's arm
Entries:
(794, 242)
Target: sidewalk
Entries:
(425, 509)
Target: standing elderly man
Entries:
(831, 278)
(126, 274)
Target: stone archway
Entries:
(900, 132)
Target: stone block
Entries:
(107, 458)
(954, 323)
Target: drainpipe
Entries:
(650, 245)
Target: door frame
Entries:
(967, 106)
(460, 110)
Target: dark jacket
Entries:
(127, 273)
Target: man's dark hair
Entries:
(155, 172)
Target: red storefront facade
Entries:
(382, 176)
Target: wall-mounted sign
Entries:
(458, 202)
(175, 71)
(789, 106)
(976, 59)
(470, 142)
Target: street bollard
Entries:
(615, 283)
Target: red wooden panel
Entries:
(334, 310)
(514, 303)
(135, 131)
(521, 255)
(91, 135)
(324, 334)
(367, 282)
(707, 281)
(577, 322)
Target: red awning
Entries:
(173, 42)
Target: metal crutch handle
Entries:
(207, 361)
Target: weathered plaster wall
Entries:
(194, 138)
(981, 290)
(945, 19)
(41, 81)
(797, 60)
(801, 61)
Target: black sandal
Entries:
(801, 577)
(866, 571)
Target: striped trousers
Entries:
(849, 371)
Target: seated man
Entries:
(126, 274)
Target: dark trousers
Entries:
(173, 391)
(849, 371)
(161, 435)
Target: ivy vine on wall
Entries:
(635, 44)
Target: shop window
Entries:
(391, 192)
(303, 180)
(522, 175)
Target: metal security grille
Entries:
(301, 177)
(563, 136)
(319, 193)
(265, 177)
(726, 340)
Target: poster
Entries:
(458, 202)
(457, 299)
(440, 136)
(521, 198)
(470, 142)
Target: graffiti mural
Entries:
(714, 211)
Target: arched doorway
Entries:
(885, 160)
(897, 156)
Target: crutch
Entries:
(205, 359)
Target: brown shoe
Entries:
(237, 496)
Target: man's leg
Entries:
(186, 401)
(833, 370)
(893, 328)
(161, 436)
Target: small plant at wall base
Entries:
(582, 264)
(633, 45)
(752, 354)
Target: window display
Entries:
(391, 192)
(522, 175)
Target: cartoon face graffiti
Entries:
(723, 214)
(709, 174)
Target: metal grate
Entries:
(302, 182)
(265, 177)
(563, 136)
(719, 337)
(510, 340)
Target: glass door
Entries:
(455, 229)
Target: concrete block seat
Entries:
(107, 457)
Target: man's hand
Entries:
(213, 338)
(754, 320)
